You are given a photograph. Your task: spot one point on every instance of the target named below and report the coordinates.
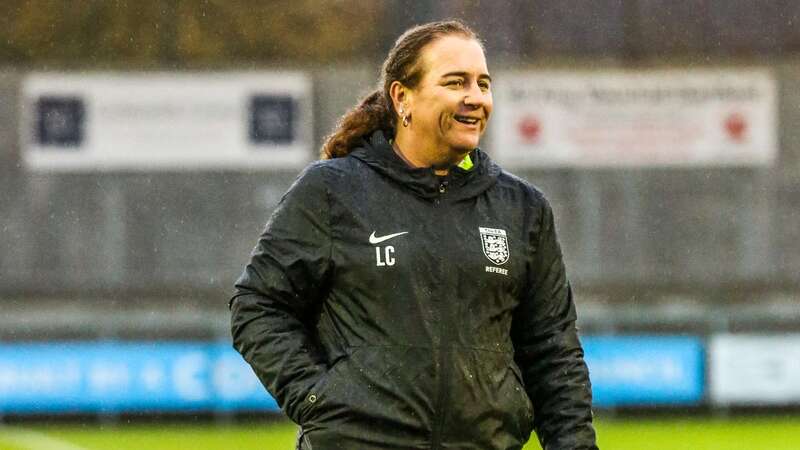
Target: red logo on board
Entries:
(736, 126)
(529, 129)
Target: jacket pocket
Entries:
(372, 397)
(317, 396)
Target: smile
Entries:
(466, 120)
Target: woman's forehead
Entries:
(454, 54)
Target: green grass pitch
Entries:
(613, 434)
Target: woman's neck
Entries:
(415, 159)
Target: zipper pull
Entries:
(442, 187)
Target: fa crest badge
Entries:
(495, 244)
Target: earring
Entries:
(404, 116)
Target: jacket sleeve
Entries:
(274, 304)
(547, 349)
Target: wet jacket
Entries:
(385, 307)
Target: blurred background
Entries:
(143, 145)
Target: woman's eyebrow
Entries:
(483, 76)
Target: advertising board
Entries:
(706, 117)
(750, 369)
(166, 121)
(113, 377)
(107, 377)
(645, 370)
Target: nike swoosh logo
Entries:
(377, 240)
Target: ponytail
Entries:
(372, 113)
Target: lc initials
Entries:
(388, 258)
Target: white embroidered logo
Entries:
(384, 256)
(495, 244)
(378, 239)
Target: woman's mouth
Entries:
(466, 119)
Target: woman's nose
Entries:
(474, 96)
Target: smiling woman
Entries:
(446, 114)
(407, 292)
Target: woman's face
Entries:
(451, 105)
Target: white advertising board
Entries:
(754, 369)
(635, 118)
(173, 121)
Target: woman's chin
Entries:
(463, 146)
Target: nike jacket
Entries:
(385, 307)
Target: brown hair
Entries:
(376, 111)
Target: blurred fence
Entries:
(712, 234)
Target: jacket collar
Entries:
(376, 152)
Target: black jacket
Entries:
(385, 307)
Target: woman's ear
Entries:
(400, 96)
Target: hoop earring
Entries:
(405, 121)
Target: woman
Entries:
(407, 293)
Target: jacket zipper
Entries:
(444, 374)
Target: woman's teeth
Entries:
(467, 120)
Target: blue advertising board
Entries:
(645, 370)
(113, 377)
(108, 377)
